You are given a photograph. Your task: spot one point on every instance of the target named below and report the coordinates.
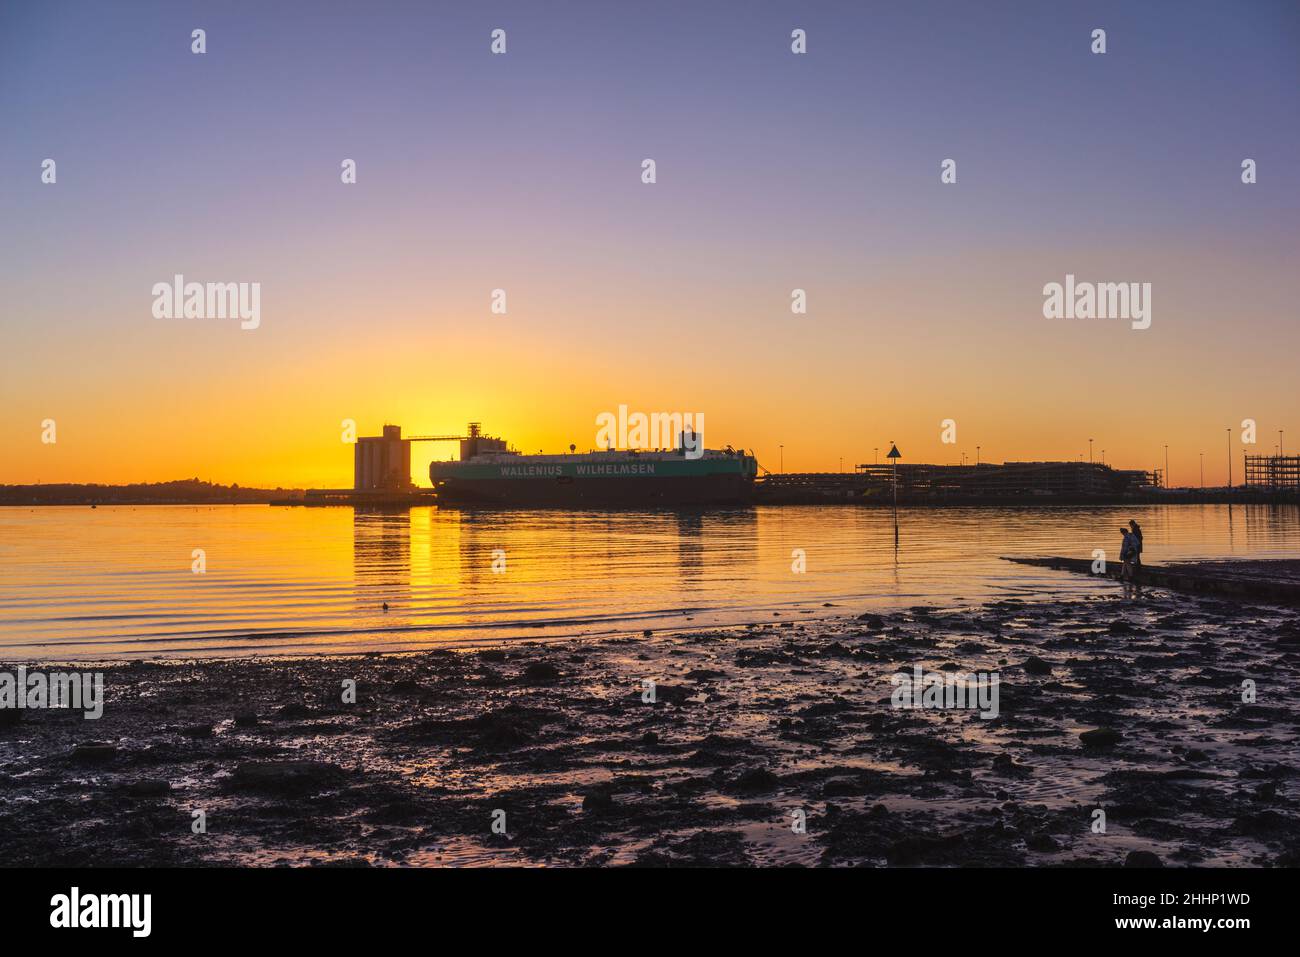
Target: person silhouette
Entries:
(1135, 567)
(1127, 549)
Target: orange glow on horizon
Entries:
(152, 401)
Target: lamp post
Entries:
(782, 465)
(1090, 451)
(1166, 466)
(1229, 431)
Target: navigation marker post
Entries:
(893, 456)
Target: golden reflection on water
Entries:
(77, 582)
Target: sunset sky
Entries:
(523, 171)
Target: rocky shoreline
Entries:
(764, 745)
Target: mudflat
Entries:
(768, 744)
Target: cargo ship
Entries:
(489, 473)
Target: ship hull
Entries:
(596, 492)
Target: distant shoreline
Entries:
(1167, 497)
(182, 492)
(196, 492)
(130, 501)
(295, 497)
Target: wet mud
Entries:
(775, 744)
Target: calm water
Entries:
(117, 582)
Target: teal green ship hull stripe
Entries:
(684, 468)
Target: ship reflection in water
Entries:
(117, 581)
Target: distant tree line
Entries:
(180, 492)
